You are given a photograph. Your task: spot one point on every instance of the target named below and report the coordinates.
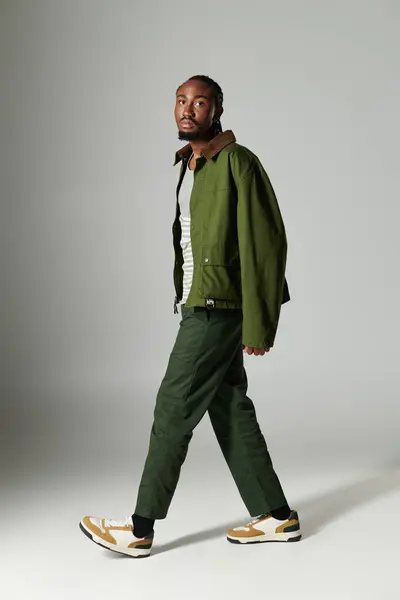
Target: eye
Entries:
(200, 102)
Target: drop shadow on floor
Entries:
(315, 513)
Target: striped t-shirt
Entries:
(186, 244)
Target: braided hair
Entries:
(218, 95)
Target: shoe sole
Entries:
(90, 536)
(261, 540)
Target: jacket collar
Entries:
(211, 149)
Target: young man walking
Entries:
(229, 276)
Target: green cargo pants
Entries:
(205, 372)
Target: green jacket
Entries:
(238, 238)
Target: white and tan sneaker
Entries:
(117, 535)
(267, 529)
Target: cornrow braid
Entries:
(218, 95)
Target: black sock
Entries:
(142, 526)
(282, 513)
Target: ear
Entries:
(218, 114)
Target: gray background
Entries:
(87, 203)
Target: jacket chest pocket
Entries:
(219, 276)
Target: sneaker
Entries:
(117, 536)
(267, 529)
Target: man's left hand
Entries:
(255, 351)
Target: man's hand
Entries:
(255, 351)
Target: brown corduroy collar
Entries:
(211, 149)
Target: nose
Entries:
(188, 110)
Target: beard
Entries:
(189, 136)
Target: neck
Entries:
(198, 145)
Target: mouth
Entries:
(187, 124)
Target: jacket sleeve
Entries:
(262, 249)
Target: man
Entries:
(229, 275)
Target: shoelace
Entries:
(257, 519)
(117, 522)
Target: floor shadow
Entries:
(200, 536)
(315, 513)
